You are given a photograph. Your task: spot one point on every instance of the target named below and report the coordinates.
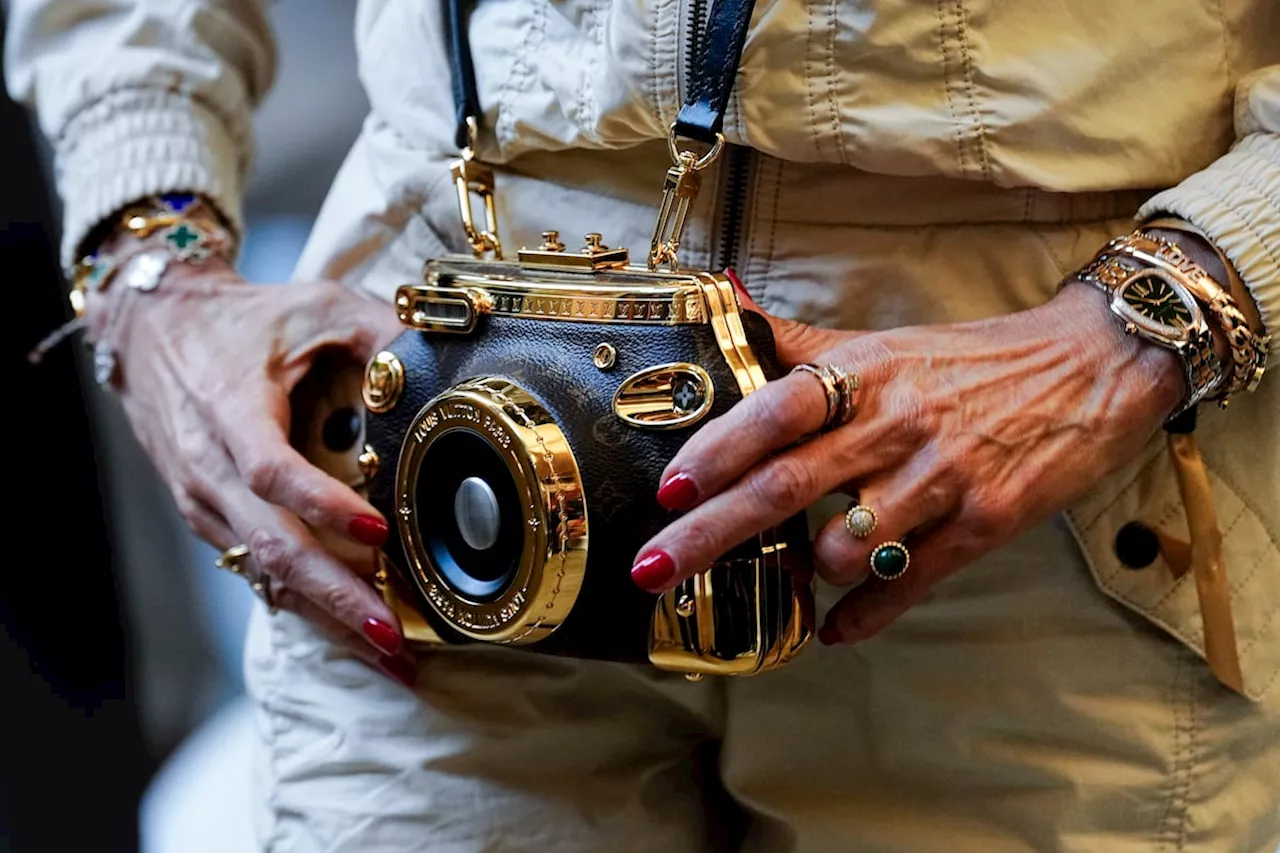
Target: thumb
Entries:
(796, 342)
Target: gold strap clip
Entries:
(471, 177)
(679, 191)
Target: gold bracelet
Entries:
(190, 229)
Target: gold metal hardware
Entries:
(667, 396)
(595, 256)
(383, 382)
(605, 356)
(626, 296)
(541, 464)
(686, 606)
(395, 593)
(784, 613)
(368, 462)
(451, 310)
(679, 190)
(471, 177)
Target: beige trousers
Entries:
(1018, 708)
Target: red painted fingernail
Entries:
(829, 635)
(653, 570)
(678, 492)
(403, 671)
(384, 638)
(369, 530)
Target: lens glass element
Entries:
(470, 515)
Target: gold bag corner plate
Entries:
(666, 396)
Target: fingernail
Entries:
(384, 638)
(678, 492)
(403, 671)
(369, 530)
(653, 570)
(829, 635)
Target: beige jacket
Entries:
(1011, 137)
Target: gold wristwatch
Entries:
(1156, 300)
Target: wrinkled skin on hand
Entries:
(206, 366)
(966, 436)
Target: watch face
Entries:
(1154, 298)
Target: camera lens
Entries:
(470, 515)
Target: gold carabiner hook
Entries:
(470, 176)
(679, 191)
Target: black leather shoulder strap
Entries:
(715, 68)
(466, 101)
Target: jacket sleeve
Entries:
(1236, 200)
(141, 97)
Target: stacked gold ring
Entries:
(840, 387)
(233, 560)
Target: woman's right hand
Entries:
(207, 363)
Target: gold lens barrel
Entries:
(552, 557)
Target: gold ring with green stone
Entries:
(890, 560)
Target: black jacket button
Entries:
(1136, 545)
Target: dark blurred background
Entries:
(122, 719)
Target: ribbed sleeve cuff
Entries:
(134, 143)
(1236, 203)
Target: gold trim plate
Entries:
(537, 455)
(778, 612)
(666, 396)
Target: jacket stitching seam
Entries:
(521, 69)
(811, 96)
(1269, 617)
(979, 129)
(833, 21)
(1227, 65)
(957, 126)
(773, 232)
(1172, 825)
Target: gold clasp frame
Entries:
(679, 191)
(470, 176)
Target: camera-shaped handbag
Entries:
(515, 434)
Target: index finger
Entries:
(278, 474)
(777, 416)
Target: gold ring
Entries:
(262, 588)
(860, 520)
(890, 560)
(233, 559)
(839, 386)
(829, 389)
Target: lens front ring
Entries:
(523, 587)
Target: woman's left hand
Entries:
(966, 435)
